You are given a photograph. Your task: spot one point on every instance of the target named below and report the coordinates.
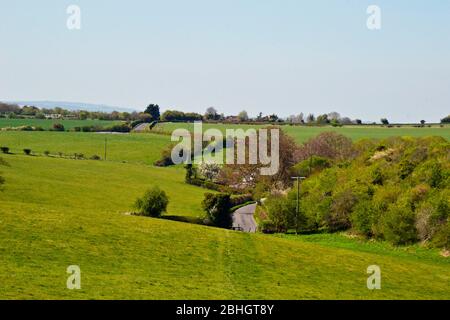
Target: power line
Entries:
(298, 179)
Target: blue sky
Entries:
(284, 57)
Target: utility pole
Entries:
(298, 179)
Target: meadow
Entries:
(56, 212)
(48, 123)
(303, 133)
(137, 148)
(59, 212)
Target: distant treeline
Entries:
(152, 113)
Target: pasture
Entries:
(48, 123)
(303, 133)
(56, 212)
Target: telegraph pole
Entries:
(298, 179)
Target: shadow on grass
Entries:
(192, 220)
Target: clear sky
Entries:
(277, 56)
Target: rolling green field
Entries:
(60, 212)
(56, 212)
(48, 123)
(303, 133)
(138, 148)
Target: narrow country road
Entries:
(243, 219)
(141, 128)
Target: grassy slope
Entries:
(142, 148)
(301, 134)
(57, 212)
(47, 124)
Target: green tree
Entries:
(153, 203)
(217, 208)
(153, 111)
(446, 119)
(384, 121)
(243, 116)
(211, 114)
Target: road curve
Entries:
(141, 127)
(244, 220)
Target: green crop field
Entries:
(56, 212)
(142, 148)
(48, 123)
(303, 133)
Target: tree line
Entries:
(152, 113)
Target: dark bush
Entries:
(217, 208)
(123, 128)
(266, 226)
(47, 153)
(312, 165)
(238, 200)
(5, 149)
(135, 123)
(153, 203)
(95, 157)
(87, 129)
(27, 151)
(399, 225)
(406, 168)
(362, 218)
(166, 158)
(153, 124)
(442, 237)
(58, 127)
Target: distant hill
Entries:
(73, 106)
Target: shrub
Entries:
(166, 158)
(266, 226)
(78, 156)
(442, 237)
(310, 166)
(87, 128)
(27, 151)
(191, 172)
(153, 124)
(424, 227)
(153, 203)
(261, 190)
(281, 212)
(209, 170)
(406, 168)
(135, 123)
(240, 199)
(5, 149)
(58, 127)
(47, 153)
(436, 175)
(399, 225)
(217, 208)
(362, 218)
(341, 208)
(212, 186)
(123, 128)
(329, 145)
(95, 157)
